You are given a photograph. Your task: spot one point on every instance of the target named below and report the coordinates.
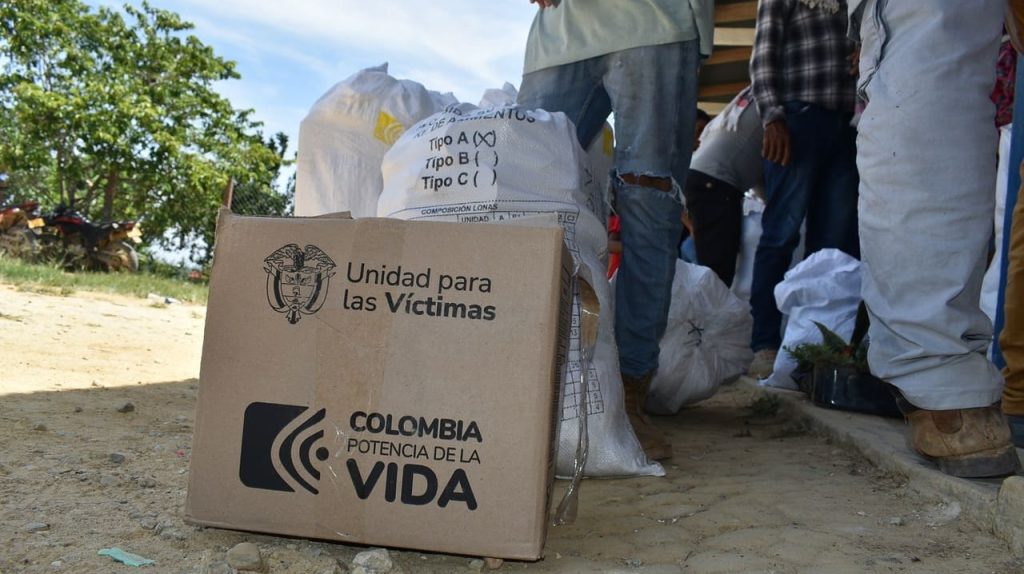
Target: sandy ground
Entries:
(744, 492)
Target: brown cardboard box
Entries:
(381, 382)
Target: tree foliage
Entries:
(117, 112)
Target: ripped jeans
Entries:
(653, 92)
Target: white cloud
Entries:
(469, 38)
(290, 53)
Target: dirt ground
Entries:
(745, 492)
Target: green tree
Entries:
(120, 108)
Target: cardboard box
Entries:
(382, 382)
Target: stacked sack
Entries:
(824, 288)
(343, 139)
(473, 165)
(600, 153)
(706, 341)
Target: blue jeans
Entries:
(653, 92)
(820, 183)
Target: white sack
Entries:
(600, 153)
(498, 164)
(499, 97)
(990, 284)
(345, 135)
(706, 343)
(825, 288)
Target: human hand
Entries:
(775, 147)
(614, 242)
(854, 60)
(687, 221)
(542, 4)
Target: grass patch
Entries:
(50, 279)
(765, 405)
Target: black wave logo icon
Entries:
(279, 443)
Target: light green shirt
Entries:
(575, 30)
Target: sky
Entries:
(291, 52)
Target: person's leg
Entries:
(575, 89)
(1011, 339)
(716, 210)
(787, 193)
(927, 169)
(653, 91)
(832, 208)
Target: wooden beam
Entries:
(735, 12)
(728, 56)
(734, 36)
(713, 108)
(720, 90)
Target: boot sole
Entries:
(997, 462)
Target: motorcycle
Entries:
(101, 247)
(18, 223)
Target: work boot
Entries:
(968, 443)
(763, 364)
(654, 442)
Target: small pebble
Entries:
(245, 556)
(40, 427)
(147, 482)
(173, 534)
(78, 409)
(476, 565)
(376, 561)
(109, 480)
(37, 527)
(219, 568)
(116, 457)
(896, 521)
(126, 408)
(148, 523)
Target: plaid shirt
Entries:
(800, 55)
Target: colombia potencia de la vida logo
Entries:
(297, 280)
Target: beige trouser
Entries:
(1011, 339)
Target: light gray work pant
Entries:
(926, 152)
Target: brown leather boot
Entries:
(654, 442)
(969, 443)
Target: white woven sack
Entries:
(825, 288)
(993, 275)
(345, 135)
(498, 164)
(600, 153)
(706, 342)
